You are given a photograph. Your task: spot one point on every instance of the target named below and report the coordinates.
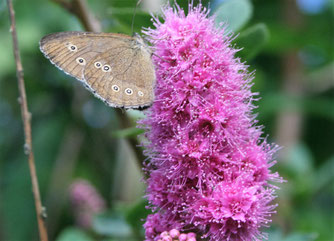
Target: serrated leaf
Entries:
(71, 234)
(252, 40)
(236, 13)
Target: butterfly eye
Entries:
(97, 65)
(106, 68)
(140, 93)
(72, 47)
(115, 88)
(128, 91)
(81, 61)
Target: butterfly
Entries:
(116, 68)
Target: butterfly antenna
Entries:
(134, 14)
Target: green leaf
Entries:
(113, 225)
(128, 132)
(273, 103)
(125, 16)
(71, 234)
(319, 107)
(47, 135)
(123, 4)
(300, 160)
(300, 164)
(236, 13)
(136, 214)
(252, 40)
(301, 237)
(324, 175)
(276, 235)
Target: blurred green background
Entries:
(290, 45)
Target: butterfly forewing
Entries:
(117, 68)
(71, 51)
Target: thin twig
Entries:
(80, 10)
(26, 116)
(126, 123)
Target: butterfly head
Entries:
(141, 43)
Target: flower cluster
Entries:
(175, 235)
(86, 202)
(209, 167)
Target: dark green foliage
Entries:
(252, 40)
(70, 234)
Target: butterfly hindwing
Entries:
(117, 77)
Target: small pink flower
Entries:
(174, 233)
(209, 168)
(86, 202)
(183, 237)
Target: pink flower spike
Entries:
(209, 167)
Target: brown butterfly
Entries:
(116, 68)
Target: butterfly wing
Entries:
(71, 51)
(123, 75)
(115, 67)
